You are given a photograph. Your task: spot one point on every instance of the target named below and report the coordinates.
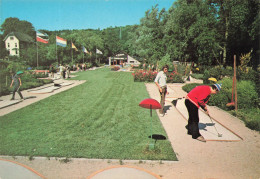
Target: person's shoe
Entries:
(161, 115)
(201, 138)
(21, 99)
(11, 99)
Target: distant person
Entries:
(160, 81)
(52, 70)
(68, 71)
(17, 82)
(196, 98)
(61, 70)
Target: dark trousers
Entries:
(163, 93)
(17, 89)
(193, 121)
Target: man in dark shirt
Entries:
(16, 81)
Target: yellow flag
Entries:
(73, 46)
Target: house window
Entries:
(16, 52)
(15, 44)
(11, 38)
(8, 45)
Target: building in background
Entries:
(123, 59)
(16, 41)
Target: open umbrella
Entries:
(150, 104)
(19, 72)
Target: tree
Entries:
(149, 35)
(237, 24)
(190, 32)
(15, 25)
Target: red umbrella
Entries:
(150, 104)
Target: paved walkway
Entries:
(213, 159)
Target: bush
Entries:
(246, 94)
(149, 76)
(206, 76)
(144, 76)
(250, 75)
(188, 87)
(115, 68)
(250, 117)
(197, 76)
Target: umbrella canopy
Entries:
(150, 104)
(19, 72)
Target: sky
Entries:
(79, 14)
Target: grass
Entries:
(98, 119)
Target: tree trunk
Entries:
(225, 43)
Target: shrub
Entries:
(248, 75)
(206, 76)
(250, 117)
(188, 87)
(149, 76)
(115, 68)
(144, 76)
(197, 76)
(246, 92)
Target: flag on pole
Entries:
(60, 41)
(43, 38)
(84, 49)
(98, 51)
(73, 46)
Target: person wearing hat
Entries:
(196, 98)
(17, 82)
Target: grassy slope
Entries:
(98, 119)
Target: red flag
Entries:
(39, 39)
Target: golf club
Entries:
(219, 135)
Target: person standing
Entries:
(52, 70)
(61, 70)
(68, 71)
(17, 82)
(160, 81)
(196, 98)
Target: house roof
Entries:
(20, 36)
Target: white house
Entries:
(123, 58)
(15, 41)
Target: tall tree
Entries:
(190, 33)
(12, 24)
(149, 35)
(237, 24)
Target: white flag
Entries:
(98, 52)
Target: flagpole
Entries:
(56, 49)
(71, 52)
(37, 51)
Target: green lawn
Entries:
(98, 119)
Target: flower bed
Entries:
(149, 76)
(115, 68)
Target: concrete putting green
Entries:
(125, 172)
(206, 126)
(10, 170)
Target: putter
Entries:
(219, 135)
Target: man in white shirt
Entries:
(160, 81)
